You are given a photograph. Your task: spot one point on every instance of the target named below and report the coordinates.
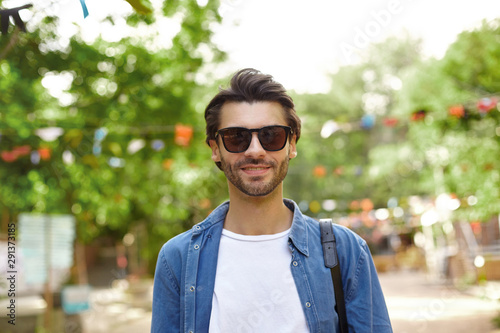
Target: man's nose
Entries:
(255, 149)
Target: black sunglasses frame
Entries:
(288, 132)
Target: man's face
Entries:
(254, 172)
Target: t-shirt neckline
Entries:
(255, 238)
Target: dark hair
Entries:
(250, 85)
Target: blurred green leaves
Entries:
(135, 91)
(403, 155)
(138, 90)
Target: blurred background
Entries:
(102, 153)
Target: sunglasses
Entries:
(238, 139)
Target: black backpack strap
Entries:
(332, 261)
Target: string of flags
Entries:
(183, 135)
(84, 8)
(482, 107)
(321, 171)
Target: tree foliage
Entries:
(418, 144)
(360, 94)
(113, 94)
(118, 102)
(461, 149)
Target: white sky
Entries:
(300, 42)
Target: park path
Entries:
(417, 304)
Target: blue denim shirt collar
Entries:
(298, 232)
(218, 215)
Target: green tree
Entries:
(361, 96)
(454, 148)
(114, 94)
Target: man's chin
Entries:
(258, 194)
(255, 191)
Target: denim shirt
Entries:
(185, 277)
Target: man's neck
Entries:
(258, 215)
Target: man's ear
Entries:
(215, 150)
(293, 148)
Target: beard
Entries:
(255, 186)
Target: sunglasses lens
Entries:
(237, 140)
(272, 137)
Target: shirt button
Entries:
(295, 263)
(308, 305)
(191, 288)
(196, 247)
(197, 227)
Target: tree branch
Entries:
(10, 44)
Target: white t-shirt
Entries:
(254, 288)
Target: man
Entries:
(255, 264)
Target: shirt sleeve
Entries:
(365, 303)
(166, 298)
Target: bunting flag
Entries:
(183, 135)
(367, 121)
(167, 163)
(457, 111)
(84, 7)
(319, 171)
(99, 136)
(419, 115)
(5, 14)
(487, 104)
(391, 122)
(157, 145)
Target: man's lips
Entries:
(255, 169)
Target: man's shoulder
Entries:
(342, 232)
(176, 246)
(343, 235)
